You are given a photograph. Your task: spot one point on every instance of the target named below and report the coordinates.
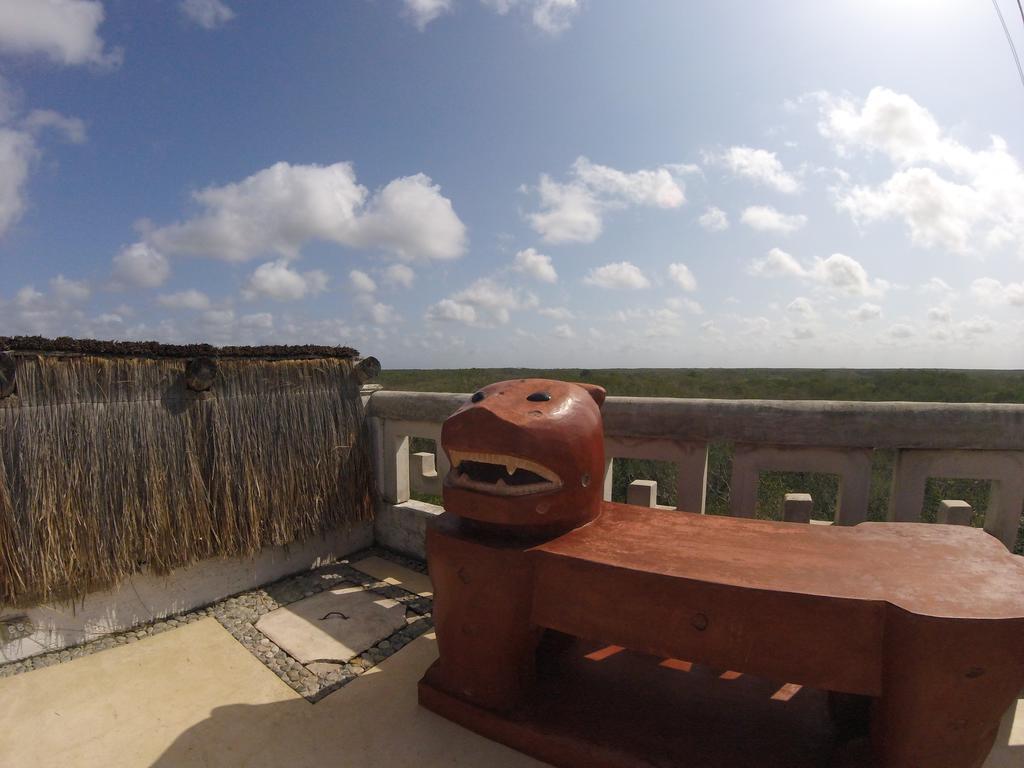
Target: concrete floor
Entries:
(195, 697)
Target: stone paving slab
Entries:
(335, 625)
(396, 575)
(127, 705)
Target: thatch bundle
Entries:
(111, 464)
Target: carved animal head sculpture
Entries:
(527, 456)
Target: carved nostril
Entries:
(476, 398)
(539, 397)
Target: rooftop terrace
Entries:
(192, 680)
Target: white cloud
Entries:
(838, 271)
(382, 314)
(422, 12)
(761, 167)
(563, 331)
(484, 303)
(361, 282)
(72, 128)
(900, 331)
(682, 276)
(714, 219)
(536, 265)
(283, 207)
(991, 291)
(802, 307)
(766, 219)
(622, 274)
(776, 263)
(27, 296)
(691, 306)
(454, 311)
(940, 314)
(17, 151)
(936, 285)
(260, 320)
(189, 299)
(550, 16)
(69, 290)
(980, 208)
(556, 313)
(573, 211)
(278, 281)
(140, 266)
(977, 326)
(64, 31)
(846, 274)
(866, 312)
(208, 14)
(400, 274)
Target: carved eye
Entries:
(539, 397)
(477, 397)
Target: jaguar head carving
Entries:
(527, 456)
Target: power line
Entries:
(1009, 38)
(1021, 9)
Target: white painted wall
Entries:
(146, 597)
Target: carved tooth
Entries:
(510, 467)
(500, 485)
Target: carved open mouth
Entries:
(501, 475)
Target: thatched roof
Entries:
(65, 344)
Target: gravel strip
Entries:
(239, 613)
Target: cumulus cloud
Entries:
(573, 211)
(281, 208)
(422, 12)
(714, 219)
(550, 16)
(208, 14)
(400, 274)
(17, 151)
(189, 299)
(19, 148)
(941, 314)
(563, 331)
(69, 290)
(900, 331)
(765, 218)
(71, 128)
(682, 276)
(776, 263)
(758, 165)
(484, 303)
(622, 274)
(556, 313)
(992, 291)
(140, 266)
(948, 195)
(361, 282)
(867, 311)
(277, 280)
(802, 307)
(64, 31)
(536, 265)
(838, 271)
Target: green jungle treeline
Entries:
(781, 384)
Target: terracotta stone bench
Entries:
(926, 620)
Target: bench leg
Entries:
(946, 684)
(482, 604)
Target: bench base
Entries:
(608, 708)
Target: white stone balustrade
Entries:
(931, 440)
(954, 512)
(423, 476)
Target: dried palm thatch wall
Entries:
(110, 464)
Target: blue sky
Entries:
(447, 183)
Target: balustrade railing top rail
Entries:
(832, 423)
(929, 440)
